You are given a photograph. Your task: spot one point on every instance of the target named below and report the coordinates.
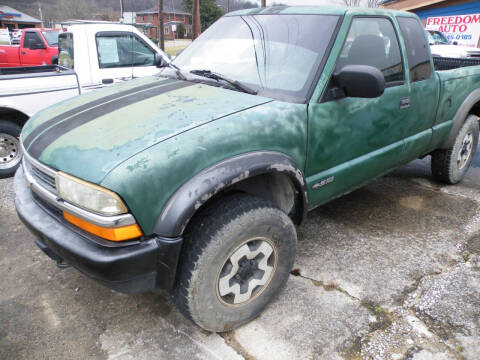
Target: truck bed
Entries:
(34, 88)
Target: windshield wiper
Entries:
(177, 70)
(216, 76)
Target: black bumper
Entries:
(140, 267)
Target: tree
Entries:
(372, 3)
(209, 11)
(181, 31)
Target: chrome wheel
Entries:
(10, 151)
(247, 272)
(465, 151)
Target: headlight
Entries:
(89, 196)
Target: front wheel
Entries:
(10, 150)
(451, 165)
(237, 257)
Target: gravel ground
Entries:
(390, 271)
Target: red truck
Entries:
(38, 46)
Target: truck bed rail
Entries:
(27, 70)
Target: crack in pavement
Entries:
(230, 340)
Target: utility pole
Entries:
(40, 11)
(121, 9)
(228, 6)
(161, 30)
(196, 19)
(264, 3)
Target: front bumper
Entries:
(139, 267)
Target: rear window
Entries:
(417, 49)
(65, 50)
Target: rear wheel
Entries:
(237, 257)
(10, 150)
(451, 165)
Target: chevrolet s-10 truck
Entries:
(193, 180)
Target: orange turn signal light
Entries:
(113, 234)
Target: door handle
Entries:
(404, 103)
(23, 52)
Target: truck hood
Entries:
(90, 135)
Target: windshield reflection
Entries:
(276, 55)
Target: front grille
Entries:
(45, 180)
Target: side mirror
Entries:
(159, 61)
(360, 81)
(37, 46)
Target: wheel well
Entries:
(13, 115)
(275, 187)
(475, 110)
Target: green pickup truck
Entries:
(193, 180)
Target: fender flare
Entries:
(183, 204)
(461, 116)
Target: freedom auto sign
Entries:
(464, 29)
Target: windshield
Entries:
(51, 37)
(436, 38)
(276, 55)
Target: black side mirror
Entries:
(159, 61)
(360, 81)
(37, 46)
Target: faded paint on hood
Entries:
(93, 149)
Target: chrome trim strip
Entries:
(103, 221)
(37, 164)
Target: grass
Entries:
(173, 50)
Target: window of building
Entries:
(168, 16)
(372, 41)
(417, 50)
(167, 30)
(183, 18)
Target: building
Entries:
(172, 17)
(458, 19)
(14, 19)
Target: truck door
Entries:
(351, 140)
(33, 51)
(424, 88)
(123, 55)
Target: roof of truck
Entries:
(318, 10)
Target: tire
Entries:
(450, 165)
(10, 151)
(228, 229)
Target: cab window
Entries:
(32, 40)
(372, 41)
(417, 49)
(121, 50)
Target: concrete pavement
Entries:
(390, 271)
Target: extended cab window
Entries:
(65, 50)
(119, 50)
(417, 50)
(32, 40)
(373, 42)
